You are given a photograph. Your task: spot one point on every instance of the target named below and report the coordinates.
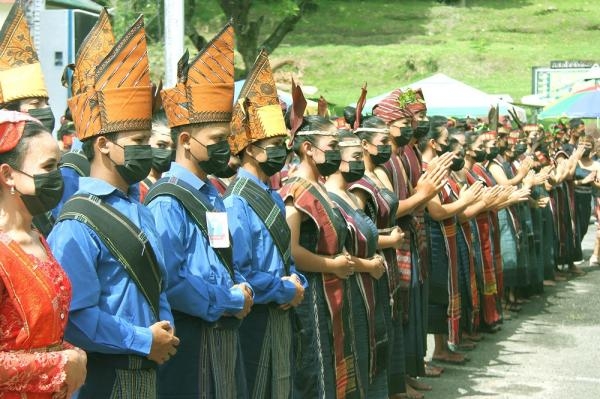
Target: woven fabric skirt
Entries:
(508, 249)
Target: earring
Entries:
(12, 190)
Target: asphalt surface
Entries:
(551, 349)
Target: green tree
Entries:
(257, 23)
(248, 27)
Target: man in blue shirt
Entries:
(118, 315)
(262, 251)
(208, 298)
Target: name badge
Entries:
(218, 229)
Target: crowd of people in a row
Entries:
(201, 247)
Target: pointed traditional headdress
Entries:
(257, 114)
(117, 97)
(20, 69)
(205, 86)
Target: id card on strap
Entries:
(218, 229)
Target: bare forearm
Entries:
(310, 262)
(411, 204)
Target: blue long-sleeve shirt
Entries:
(255, 254)
(199, 284)
(109, 314)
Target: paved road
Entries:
(550, 350)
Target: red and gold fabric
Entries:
(34, 307)
(20, 69)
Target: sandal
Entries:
(416, 384)
(432, 371)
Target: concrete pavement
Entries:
(551, 349)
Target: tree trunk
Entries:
(247, 32)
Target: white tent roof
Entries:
(450, 97)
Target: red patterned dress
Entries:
(34, 303)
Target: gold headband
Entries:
(349, 143)
(372, 130)
(316, 133)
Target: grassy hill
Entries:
(491, 45)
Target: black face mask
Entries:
(333, 158)
(43, 115)
(479, 155)
(48, 192)
(406, 133)
(226, 173)
(218, 157)
(356, 170)
(458, 163)
(494, 151)
(138, 162)
(520, 149)
(422, 129)
(276, 157)
(161, 159)
(444, 148)
(384, 152)
(587, 152)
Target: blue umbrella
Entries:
(581, 104)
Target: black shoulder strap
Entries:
(268, 212)
(196, 206)
(125, 241)
(77, 161)
(44, 223)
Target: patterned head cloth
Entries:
(204, 89)
(417, 101)
(487, 136)
(119, 97)
(391, 108)
(12, 124)
(257, 114)
(514, 137)
(20, 69)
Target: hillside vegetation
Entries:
(491, 44)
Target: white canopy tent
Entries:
(450, 97)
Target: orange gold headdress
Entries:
(257, 114)
(119, 97)
(94, 48)
(20, 69)
(204, 89)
